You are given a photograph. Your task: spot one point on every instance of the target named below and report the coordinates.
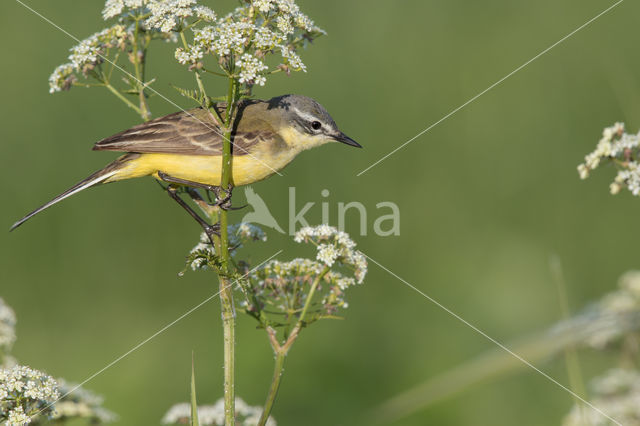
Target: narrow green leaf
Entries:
(194, 403)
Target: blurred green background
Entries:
(486, 198)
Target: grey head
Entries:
(311, 118)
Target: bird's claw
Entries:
(224, 202)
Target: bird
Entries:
(185, 148)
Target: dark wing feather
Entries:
(192, 132)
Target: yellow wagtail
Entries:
(185, 148)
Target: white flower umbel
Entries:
(241, 41)
(26, 393)
(213, 415)
(122, 8)
(282, 288)
(622, 150)
(88, 54)
(171, 15)
(251, 69)
(334, 246)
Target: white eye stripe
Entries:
(305, 116)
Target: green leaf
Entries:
(192, 94)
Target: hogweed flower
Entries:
(213, 415)
(26, 393)
(622, 150)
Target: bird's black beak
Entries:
(341, 137)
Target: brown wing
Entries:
(192, 132)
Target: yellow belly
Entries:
(246, 169)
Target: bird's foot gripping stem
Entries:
(223, 197)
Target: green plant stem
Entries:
(137, 65)
(273, 389)
(123, 99)
(281, 351)
(222, 247)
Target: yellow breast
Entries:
(246, 169)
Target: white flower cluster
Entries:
(622, 149)
(251, 69)
(203, 245)
(244, 232)
(284, 287)
(334, 246)
(248, 34)
(78, 402)
(616, 393)
(25, 392)
(113, 8)
(164, 15)
(239, 234)
(213, 415)
(7, 329)
(286, 10)
(170, 15)
(87, 55)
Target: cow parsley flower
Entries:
(204, 13)
(88, 54)
(213, 415)
(251, 69)
(263, 6)
(280, 289)
(25, 392)
(170, 15)
(113, 8)
(621, 149)
(17, 417)
(240, 41)
(334, 246)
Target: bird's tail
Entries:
(95, 179)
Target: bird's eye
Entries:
(316, 125)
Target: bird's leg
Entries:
(165, 177)
(209, 229)
(223, 203)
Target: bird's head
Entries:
(305, 123)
